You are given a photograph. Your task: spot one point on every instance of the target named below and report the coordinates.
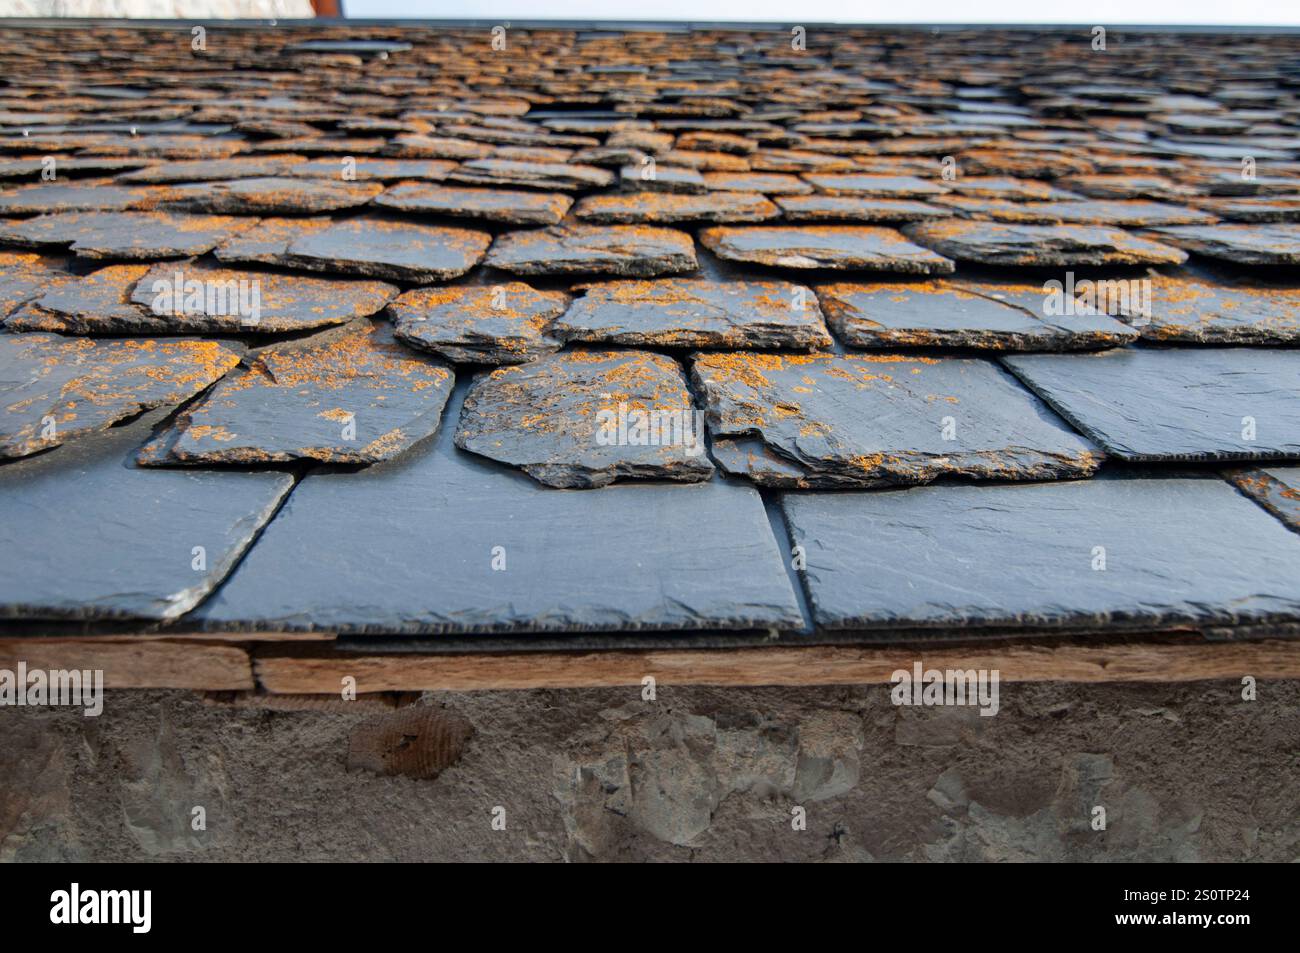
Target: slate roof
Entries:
(695, 331)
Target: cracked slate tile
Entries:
(351, 394)
(1163, 404)
(55, 389)
(952, 313)
(576, 419)
(689, 313)
(507, 555)
(383, 247)
(634, 250)
(499, 324)
(993, 243)
(877, 420)
(1027, 556)
(824, 246)
(209, 170)
(848, 208)
(562, 176)
(1187, 308)
(1277, 489)
(59, 559)
(513, 206)
(25, 276)
(1259, 244)
(664, 208)
(127, 235)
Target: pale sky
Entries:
(1091, 12)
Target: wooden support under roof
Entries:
(201, 662)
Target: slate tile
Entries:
(992, 243)
(95, 303)
(500, 324)
(1187, 308)
(876, 420)
(388, 248)
(67, 167)
(128, 235)
(417, 146)
(953, 313)
(53, 197)
(1127, 213)
(1277, 489)
(1026, 556)
(824, 246)
(662, 178)
(1161, 404)
(848, 208)
(1262, 244)
(267, 242)
(1008, 189)
(513, 206)
(689, 313)
(633, 250)
(463, 516)
(348, 395)
(24, 276)
(86, 535)
(209, 170)
(664, 208)
(577, 419)
(768, 183)
(1127, 187)
(271, 196)
(561, 176)
(367, 169)
(876, 186)
(1252, 209)
(55, 388)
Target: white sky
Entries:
(1093, 12)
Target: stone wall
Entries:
(1184, 772)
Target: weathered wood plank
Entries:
(142, 663)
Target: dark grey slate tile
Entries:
(53, 389)
(270, 196)
(561, 176)
(24, 276)
(1122, 213)
(84, 534)
(370, 169)
(209, 170)
(1187, 308)
(1175, 403)
(662, 178)
(945, 312)
(498, 324)
(849, 208)
(864, 248)
(691, 313)
(585, 418)
(878, 419)
(768, 183)
(424, 533)
(267, 241)
(513, 206)
(388, 248)
(1257, 244)
(993, 243)
(638, 251)
(52, 197)
(129, 235)
(866, 185)
(1277, 489)
(348, 395)
(665, 207)
(1028, 556)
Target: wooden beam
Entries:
(308, 672)
(141, 663)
